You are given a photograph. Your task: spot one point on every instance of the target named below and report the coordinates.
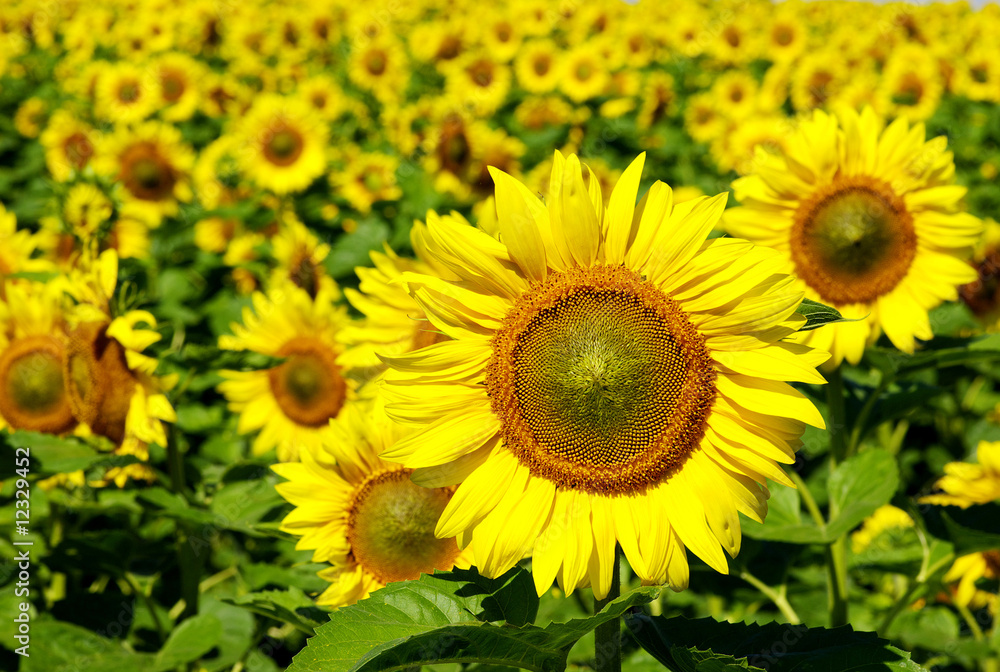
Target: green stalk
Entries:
(608, 636)
(836, 553)
(187, 558)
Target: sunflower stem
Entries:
(187, 556)
(778, 597)
(836, 553)
(608, 636)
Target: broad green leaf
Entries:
(446, 618)
(931, 627)
(54, 454)
(976, 528)
(818, 314)
(236, 635)
(189, 641)
(860, 485)
(288, 606)
(63, 647)
(175, 506)
(775, 647)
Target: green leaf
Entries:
(54, 454)
(445, 618)
(858, 486)
(236, 635)
(976, 528)
(63, 647)
(189, 641)
(288, 606)
(677, 642)
(818, 314)
(931, 627)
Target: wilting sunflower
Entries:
(965, 484)
(291, 403)
(32, 355)
(613, 378)
(281, 144)
(362, 515)
(69, 145)
(868, 219)
(152, 163)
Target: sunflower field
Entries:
(539, 334)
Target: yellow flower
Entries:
(394, 321)
(735, 93)
(911, 85)
(32, 356)
(477, 82)
(381, 67)
(367, 178)
(967, 570)
(281, 144)
(538, 66)
(69, 145)
(965, 484)
(125, 94)
(609, 381)
(817, 77)
(982, 295)
(702, 119)
(179, 78)
(868, 219)
(291, 403)
(30, 117)
(977, 75)
(886, 518)
(658, 99)
(362, 515)
(299, 256)
(583, 74)
(16, 250)
(153, 165)
(86, 208)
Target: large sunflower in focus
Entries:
(291, 403)
(868, 219)
(613, 378)
(362, 515)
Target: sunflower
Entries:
(537, 112)
(966, 571)
(381, 67)
(30, 117)
(299, 256)
(583, 75)
(477, 82)
(816, 79)
(545, 405)
(702, 119)
(153, 165)
(124, 94)
(32, 355)
(281, 144)
(868, 219)
(323, 95)
(736, 149)
(394, 322)
(735, 92)
(786, 37)
(501, 36)
(911, 85)
(538, 66)
(965, 484)
(982, 295)
(216, 176)
(977, 76)
(16, 250)
(86, 209)
(886, 521)
(291, 403)
(69, 145)
(365, 517)
(658, 100)
(367, 178)
(179, 77)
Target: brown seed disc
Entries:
(600, 381)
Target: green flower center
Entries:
(308, 386)
(853, 241)
(32, 393)
(284, 147)
(391, 528)
(601, 381)
(35, 381)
